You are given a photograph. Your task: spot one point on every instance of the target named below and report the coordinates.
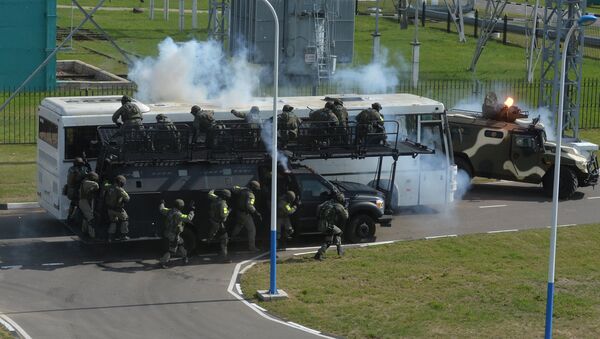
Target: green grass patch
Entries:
(485, 286)
(591, 135)
(17, 173)
(4, 334)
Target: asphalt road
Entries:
(56, 287)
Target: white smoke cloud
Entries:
(267, 139)
(192, 71)
(380, 76)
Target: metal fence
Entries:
(19, 119)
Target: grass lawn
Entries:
(485, 286)
(591, 135)
(17, 173)
(4, 334)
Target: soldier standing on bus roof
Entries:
(285, 209)
(340, 111)
(252, 117)
(218, 212)
(75, 176)
(174, 220)
(116, 198)
(287, 125)
(332, 216)
(371, 121)
(204, 122)
(168, 136)
(87, 194)
(129, 113)
(245, 211)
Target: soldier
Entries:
(285, 208)
(340, 112)
(370, 121)
(87, 194)
(323, 123)
(491, 106)
(252, 117)
(129, 113)
(75, 176)
(287, 125)
(168, 136)
(332, 215)
(174, 220)
(204, 122)
(245, 211)
(217, 215)
(115, 200)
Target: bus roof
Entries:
(103, 105)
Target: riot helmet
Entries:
(93, 176)
(338, 101)
(287, 108)
(179, 204)
(195, 109)
(161, 118)
(254, 185)
(290, 196)
(329, 105)
(125, 99)
(120, 180)
(254, 110)
(376, 106)
(224, 193)
(78, 161)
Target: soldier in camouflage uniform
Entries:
(490, 106)
(287, 125)
(245, 211)
(340, 112)
(75, 176)
(323, 124)
(115, 200)
(332, 215)
(174, 220)
(168, 137)
(217, 215)
(254, 123)
(204, 122)
(370, 121)
(87, 194)
(130, 114)
(285, 209)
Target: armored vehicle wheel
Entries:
(189, 240)
(567, 186)
(464, 176)
(361, 228)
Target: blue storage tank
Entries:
(27, 37)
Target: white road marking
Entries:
(7, 325)
(304, 327)
(11, 266)
(92, 262)
(238, 288)
(503, 231)
(43, 239)
(303, 253)
(260, 308)
(592, 198)
(567, 225)
(441, 236)
(16, 326)
(53, 264)
(492, 206)
(303, 248)
(377, 243)
(247, 268)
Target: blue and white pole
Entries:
(584, 20)
(273, 280)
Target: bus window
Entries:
(407, 125)
(81, 139)
(48, 132)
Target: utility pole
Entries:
(376, 35)
(415, 48)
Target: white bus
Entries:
(68, 128)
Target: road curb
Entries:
(19, 205)
(13, 327)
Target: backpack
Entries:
(327, 217)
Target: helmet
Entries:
(290, 196)
(125, 99)
(339, 197)
(225, 194)
(338, 101)
(78, 161)
(254, 185)
(287, 108)
(254, 110)
(179, 204)
(376, 106)
(161, 117)
(93, 176)
(195, 109)
(120, 180)
(329, 104)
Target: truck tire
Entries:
(189, 240)
(463, 177)
(361, 228)
(568, 183)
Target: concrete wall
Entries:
(27, 37)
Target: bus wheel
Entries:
(189, 240)
(361, 228)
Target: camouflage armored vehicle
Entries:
(516, 149)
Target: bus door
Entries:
(49, 189)
(433, 183)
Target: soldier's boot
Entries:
(164, 260)
(319, 255)
(124, 230)
(338, 245)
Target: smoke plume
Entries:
(192, 71)
(267, 137)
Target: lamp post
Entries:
(584, 20)
(273, 293)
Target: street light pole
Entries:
(584, 20)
